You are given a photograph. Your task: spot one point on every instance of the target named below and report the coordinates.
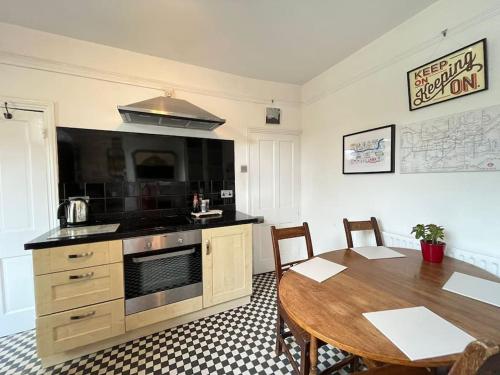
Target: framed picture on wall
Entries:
(369, 151)
(273, 116)
(459, 73)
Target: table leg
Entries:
(313, 355)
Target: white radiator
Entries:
(486, 262)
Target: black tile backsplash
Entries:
(229, 185)
(73, 190)
(126, 197)
(216, 186)
(171, 188)
(149, 189)
(97, 206)
(171, 201)
(114, 189)
(131, 189)
(114, 205)
(194, 187)
(131, 204)
(127, 174)
(94, 190)
(148, 203)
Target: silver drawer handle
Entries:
(81, 255)
(78, 317)
(207, 242)
(87, 275)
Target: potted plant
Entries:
(430, 236)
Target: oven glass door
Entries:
(161, 277)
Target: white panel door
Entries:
(24, 214)
(274, 193)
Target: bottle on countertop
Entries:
(196, 203)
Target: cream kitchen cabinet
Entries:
(80, 293)
(227, 263)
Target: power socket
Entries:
(226, 193)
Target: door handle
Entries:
(87, 275)
(81, 255)
(207, 242)
(78, 317)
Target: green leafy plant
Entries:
(429, 233)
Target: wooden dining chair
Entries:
(480, 357)
(353, 226)
(302, 338)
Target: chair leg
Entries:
(280, 328)
(305, 361)
(355, 364)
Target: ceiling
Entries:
(279, 40)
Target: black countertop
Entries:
(143, 227)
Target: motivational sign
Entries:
(457, 74)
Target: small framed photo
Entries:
(273, 116)
(369, 151)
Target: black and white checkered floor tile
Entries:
(239, 341)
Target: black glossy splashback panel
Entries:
(130, 172)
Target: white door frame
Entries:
(261, 237)
(47, 108)
(45, 111)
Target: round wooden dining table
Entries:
(332, 310)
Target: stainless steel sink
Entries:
(84, 231)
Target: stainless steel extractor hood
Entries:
(167, 111)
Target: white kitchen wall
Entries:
(368, 90)
(86, 81)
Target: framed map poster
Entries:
(369, 151)
(461, 142)
(462, 72)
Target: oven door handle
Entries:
(163, 256)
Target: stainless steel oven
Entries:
(162, 269)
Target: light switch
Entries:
(243, 169)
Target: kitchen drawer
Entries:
(67, 258)
(159, 314)
(68, 330)
(71, 289)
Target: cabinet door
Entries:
(227, 263)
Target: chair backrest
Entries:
(285, 233)
(476, 355)
(352, 226)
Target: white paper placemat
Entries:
(377, 252)
(419, 333)
(474, 287)
(318, 269)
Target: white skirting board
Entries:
(486, 262)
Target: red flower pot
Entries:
(432, 252)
